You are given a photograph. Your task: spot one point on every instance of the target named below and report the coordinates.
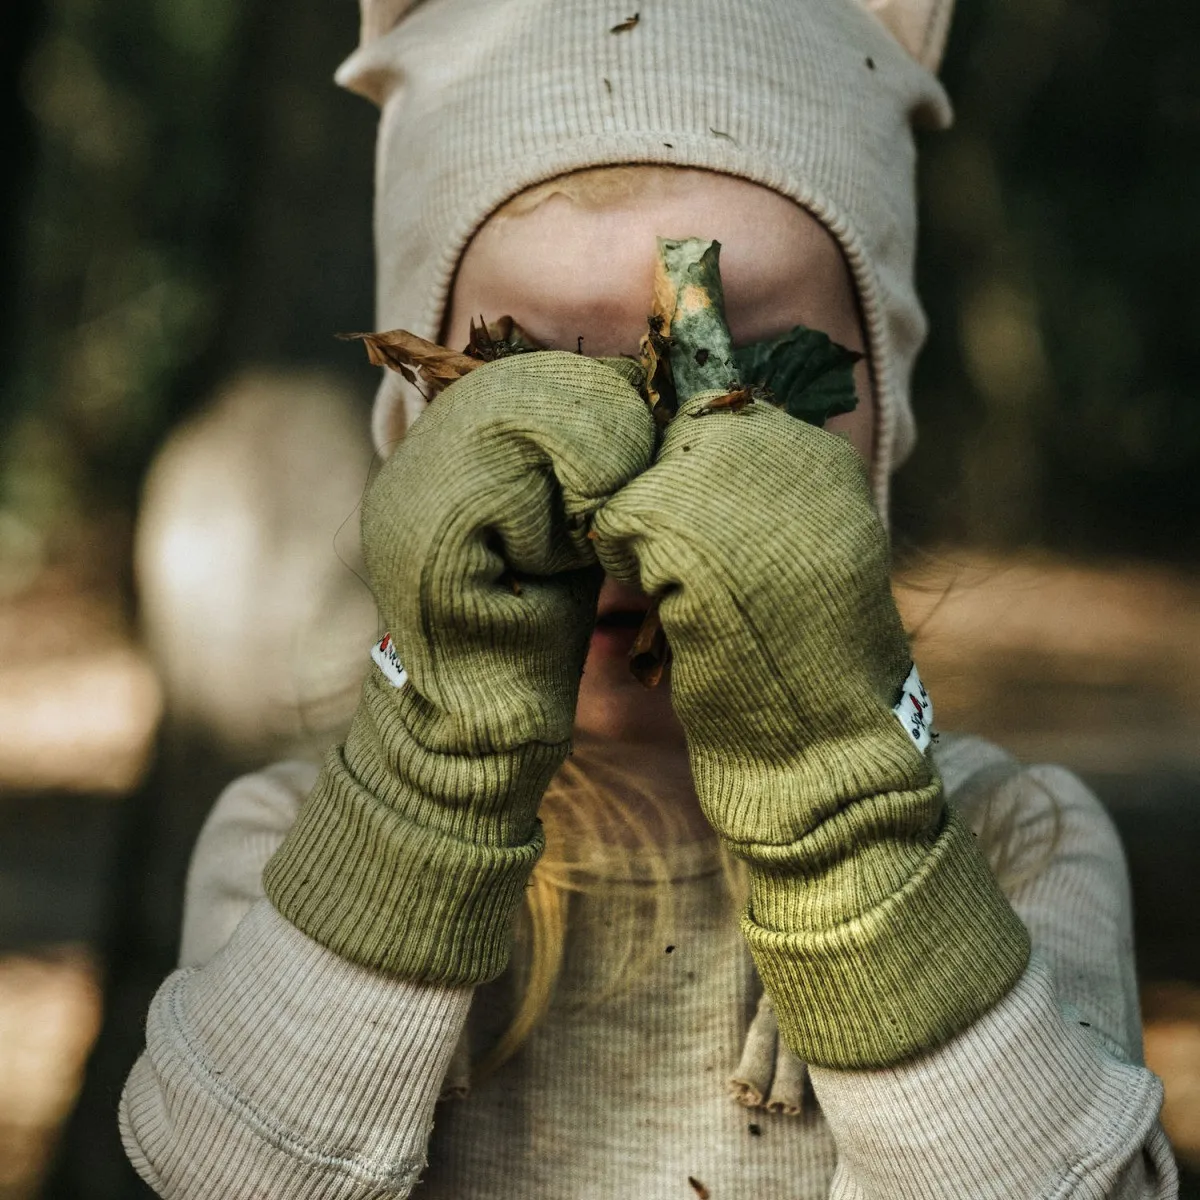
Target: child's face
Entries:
(564, 272)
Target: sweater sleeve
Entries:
(274, 1068)
(1045, 1095)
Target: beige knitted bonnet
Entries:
(816, 99)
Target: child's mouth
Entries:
(621, 618)
(615, 631)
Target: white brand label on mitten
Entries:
(388, 661)
(914, 710)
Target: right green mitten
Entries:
(412, 851)
(875, 923)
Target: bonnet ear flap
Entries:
(377, 17)
(920, 26)
(366, 71)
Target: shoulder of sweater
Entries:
(260, 803)
(960, 758)
(976, 773)
(292, 778)
(297, 775)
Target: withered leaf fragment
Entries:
(627, 24)
(656, 362)
(733, 401)
(698, 1187)
(437, 366)
(498, 339)
(649, 654)
(401, 351)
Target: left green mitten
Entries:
(413, 849)
(874, 921)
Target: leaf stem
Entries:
(690, 301)
(688, 316)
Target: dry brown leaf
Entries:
(399, 350)
(649, 654)
(655, 358)
(491, 340)
(626, 25)
(438, 366)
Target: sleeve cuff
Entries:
(1024, 1102)
(281, 1070)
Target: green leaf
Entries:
(808, 374)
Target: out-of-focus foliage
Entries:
(1058, 398)
(195, 174)
(199, 202)
(118, 290)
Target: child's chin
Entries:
(614, 706)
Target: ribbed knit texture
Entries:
(812, 98)
(279, 1071)
(245, 827)
(413, 848)
(875, 924)
(247, 1035)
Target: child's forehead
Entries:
(596, 260)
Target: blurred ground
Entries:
(1096, 666)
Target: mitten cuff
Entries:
(379, 889)
(906, 975)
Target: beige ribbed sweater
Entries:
(275, 1069)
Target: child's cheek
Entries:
(859, 425)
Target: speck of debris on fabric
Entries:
(871, 63)
(698, 1187)
(626, 25)
(670, 949)
(755, 1130)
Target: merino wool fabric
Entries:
(412, 851)
(874, 921)
(812, 98)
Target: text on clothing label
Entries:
(388, 661)
(914, 710)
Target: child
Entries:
(897, 1018)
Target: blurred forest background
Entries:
(184, 224)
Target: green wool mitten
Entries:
(875, 923)
(412, 851)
